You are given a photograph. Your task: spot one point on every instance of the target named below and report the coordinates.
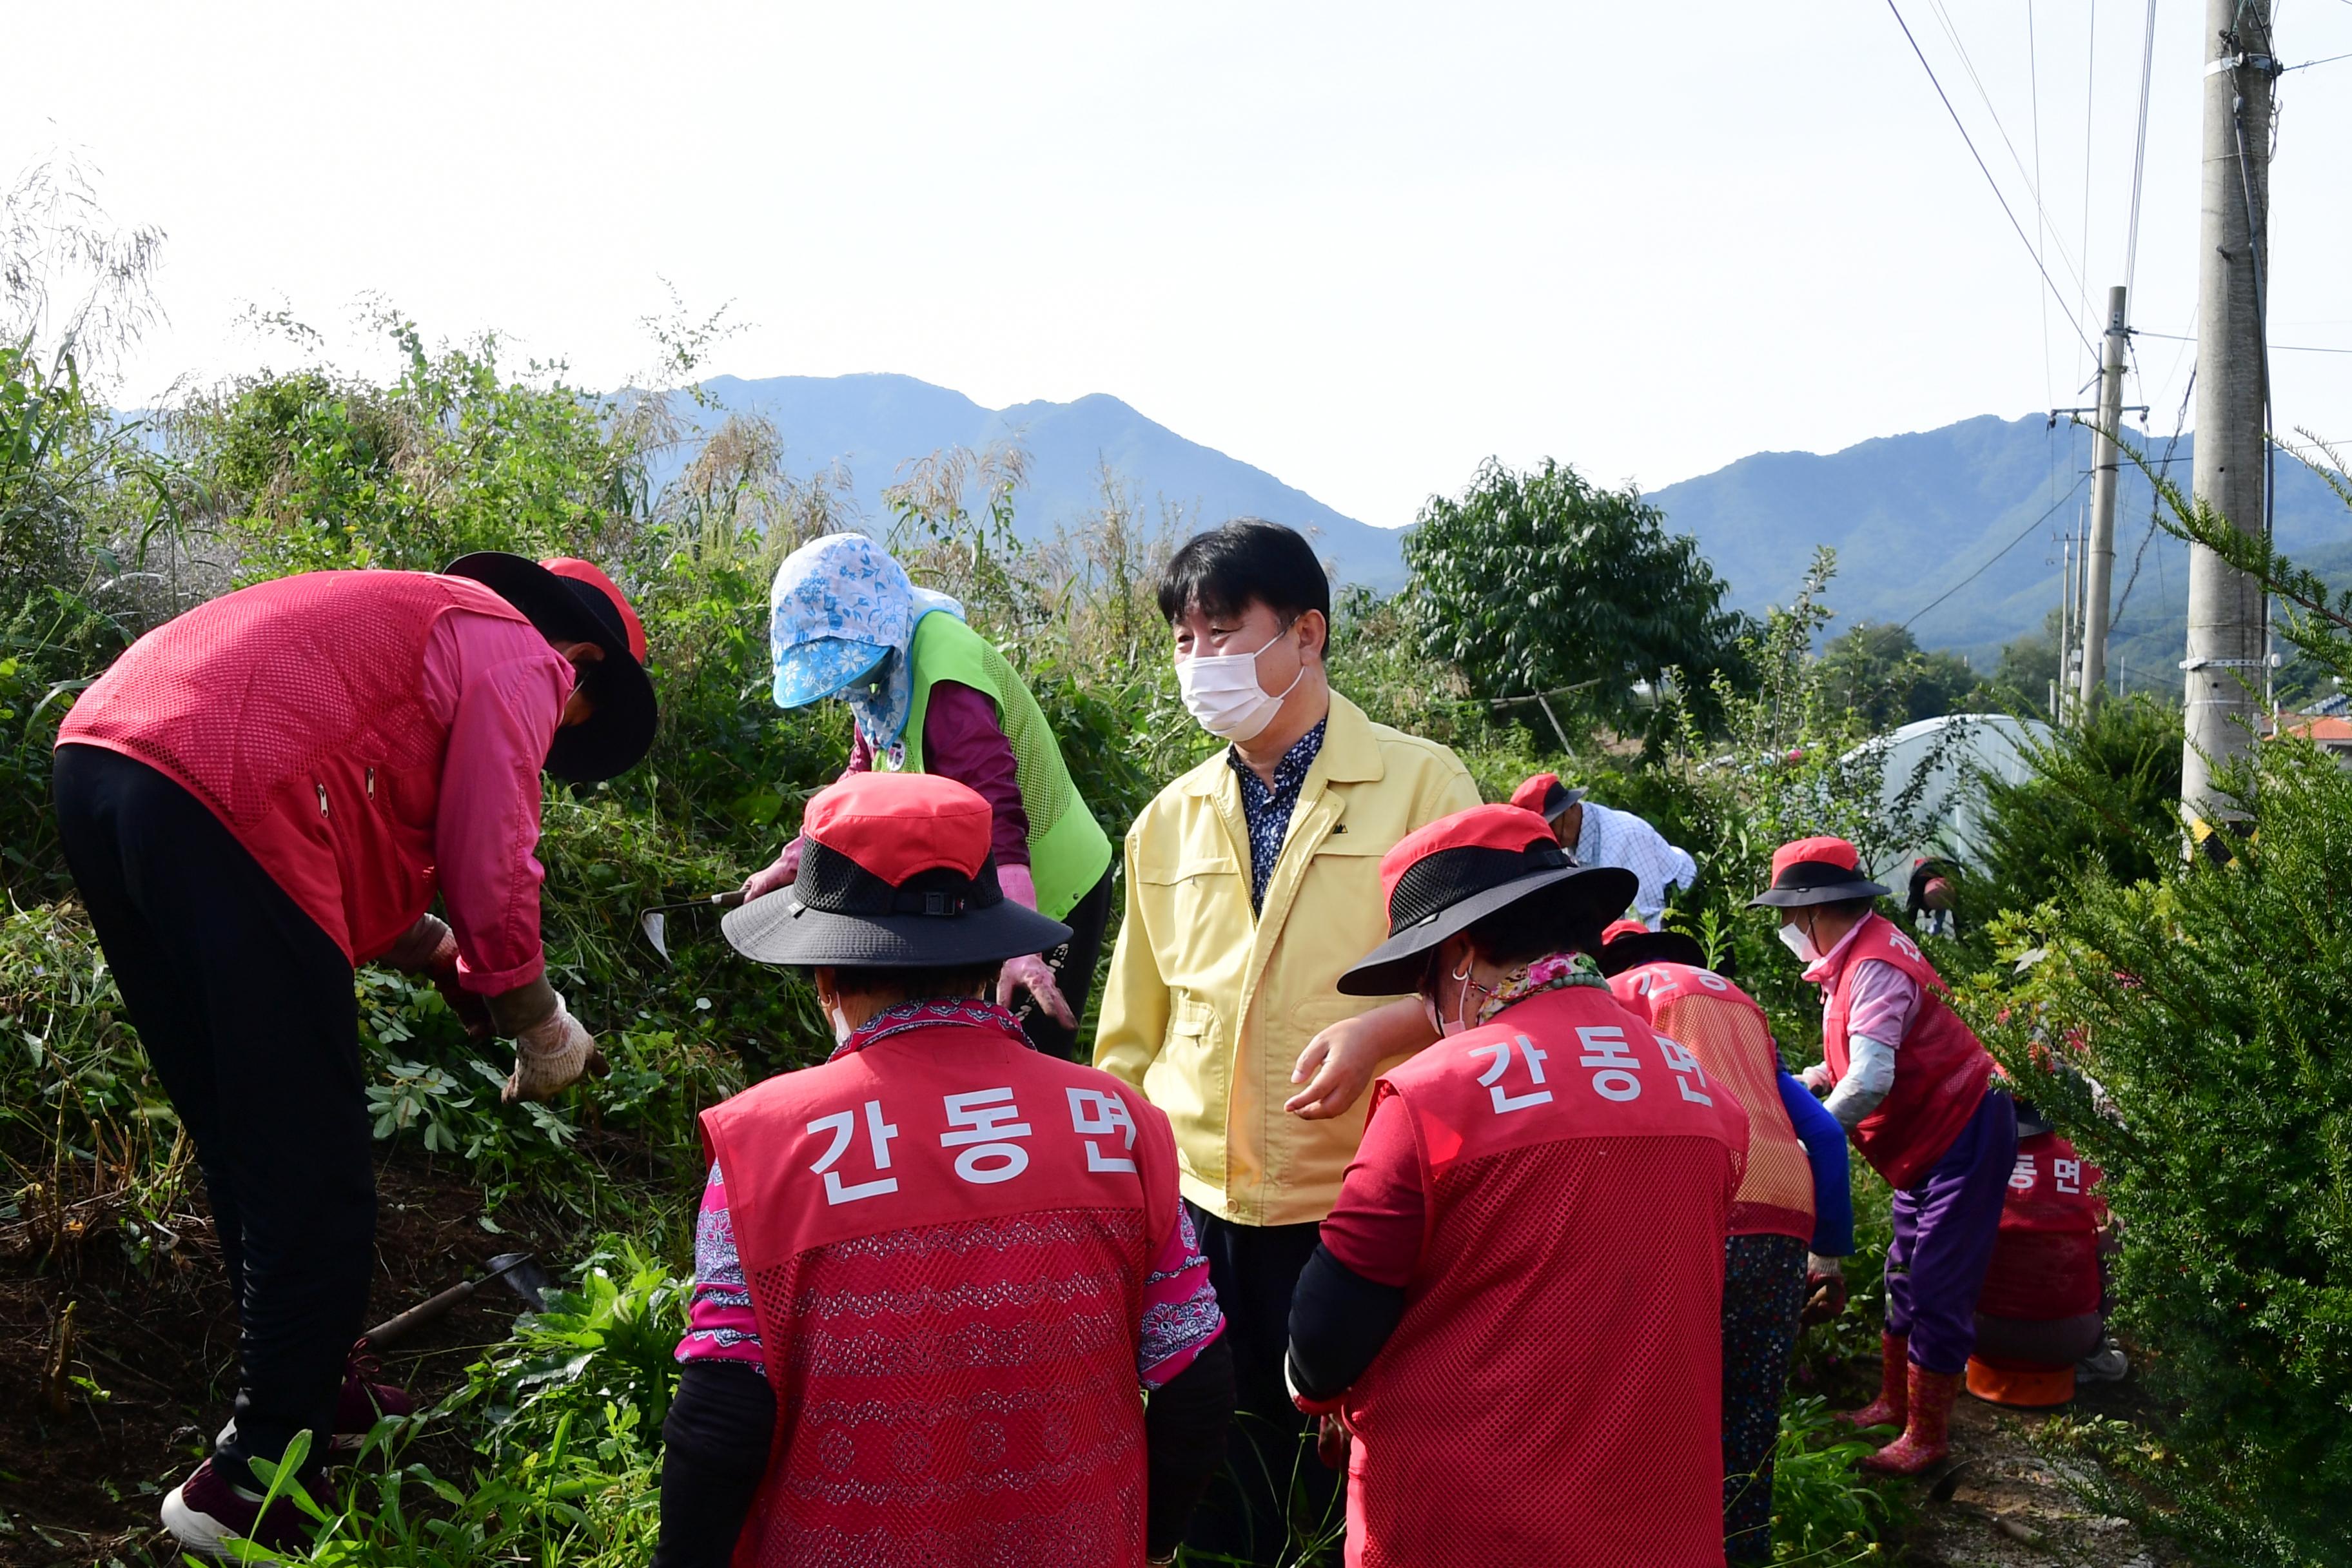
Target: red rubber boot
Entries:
(1893, 1405)
(1927, 1436)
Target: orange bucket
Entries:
(2017, 1383)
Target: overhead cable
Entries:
(2140, 149)
(2080, 480)
(2006, 210)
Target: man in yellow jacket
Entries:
(1251, 882)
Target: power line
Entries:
(2140, 149)
(2003, 200)
(2090, 122)
(2004, 549)
(1984, 96)
(2274, 348)
(2041, 218)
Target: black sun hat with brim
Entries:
(1544, 794)
(1816, 871)
(896, 873)
(1463, 867)
(569, 600)
(1629, 944)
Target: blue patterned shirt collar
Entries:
(1266, 809)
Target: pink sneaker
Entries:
(364, 1402)
(205, 1512)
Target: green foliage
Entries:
(1878, 671)
(1541, 583)
(2104, 792)
(313, 471)
(1793, 760)
(2208, 1002)
(1824, 1512)
(2028, 665)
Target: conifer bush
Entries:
(2208, 1003)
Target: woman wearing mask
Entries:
(1251, 882)
(1514, 1306)
(933, 696)
(1918, 1093)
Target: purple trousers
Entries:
(1943, 1231)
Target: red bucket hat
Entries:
(895, 870)
(1463, 867)
(1544, 795)
(1816, 871)
(569, 600)
(1629, 944)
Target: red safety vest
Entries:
(1552, 1393)
(1941, 1067)
(2045, 1262)
(947, 1237)
(1728, 1033)
(295, 711)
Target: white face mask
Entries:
(1793, 938)
(1222, 693)
(841, 1029)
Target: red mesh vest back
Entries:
(1723, 1027)
(947, 1235)
(1552, 1394)
(2045, 1262)
(294, 710)
(1941, 1067)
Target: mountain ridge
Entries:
(1955, 512)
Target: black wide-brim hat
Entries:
(1463, 867)
(567, 600)
(1630, 945)
(896, 873)
(1816, 871)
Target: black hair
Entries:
(915, 982)
(1249, 559)
(1850, 909)
(1552, 921)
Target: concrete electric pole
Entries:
(2226, 651)
(2105, 454)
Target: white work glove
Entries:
(1818, 1079)
(782, 873)
(550, 1056)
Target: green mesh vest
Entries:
(1069, 851)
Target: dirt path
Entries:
(83, 1488)
(2009, 1505)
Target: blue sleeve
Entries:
(1824, 1142)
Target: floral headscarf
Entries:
(839, 611)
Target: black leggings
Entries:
(1073, 964)
(247, 1014)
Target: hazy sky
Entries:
(1359, 246)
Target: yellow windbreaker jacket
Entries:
(1207, 1006)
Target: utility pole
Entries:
(2226, 632)
(2105, 454)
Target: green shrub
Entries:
(2208, 1002)
(2106, 792)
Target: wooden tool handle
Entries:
(416, 1317)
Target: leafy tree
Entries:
(1541, 583)
(1880, 672)
(2028, 664)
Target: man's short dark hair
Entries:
(1220, 573)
